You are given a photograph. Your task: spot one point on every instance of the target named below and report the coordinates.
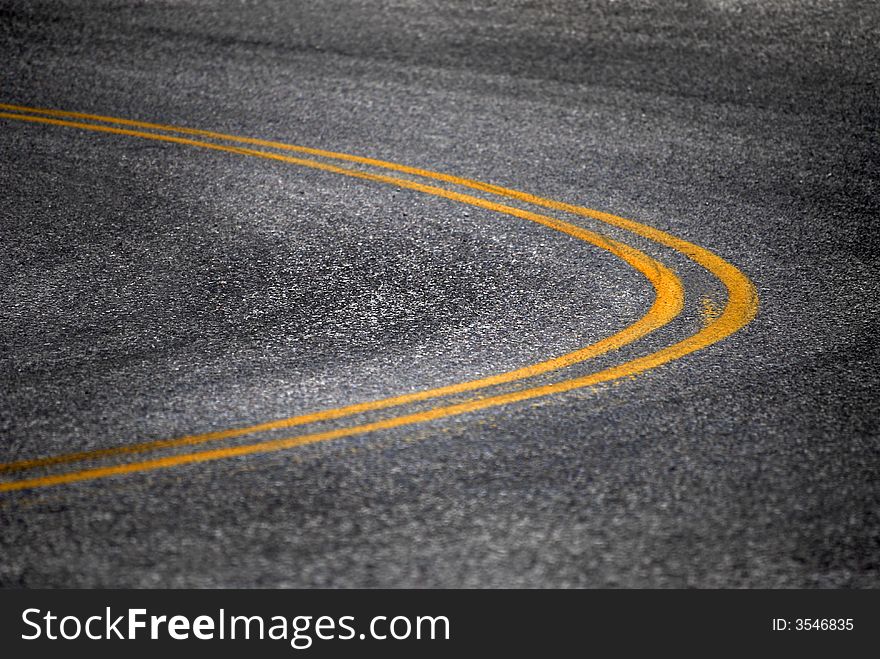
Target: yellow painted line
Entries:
(667, 304)
(737, 317)
(740, 289)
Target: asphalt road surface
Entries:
(239, 363)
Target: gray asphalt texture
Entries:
(150, 290)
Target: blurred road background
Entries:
(151, 291)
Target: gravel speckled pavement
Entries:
(153, 290)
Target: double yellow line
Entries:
(668, 301)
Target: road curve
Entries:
(521, 391)
(740, 308)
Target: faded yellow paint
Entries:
(708, 311)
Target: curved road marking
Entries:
(740, 309)
(668, 302)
